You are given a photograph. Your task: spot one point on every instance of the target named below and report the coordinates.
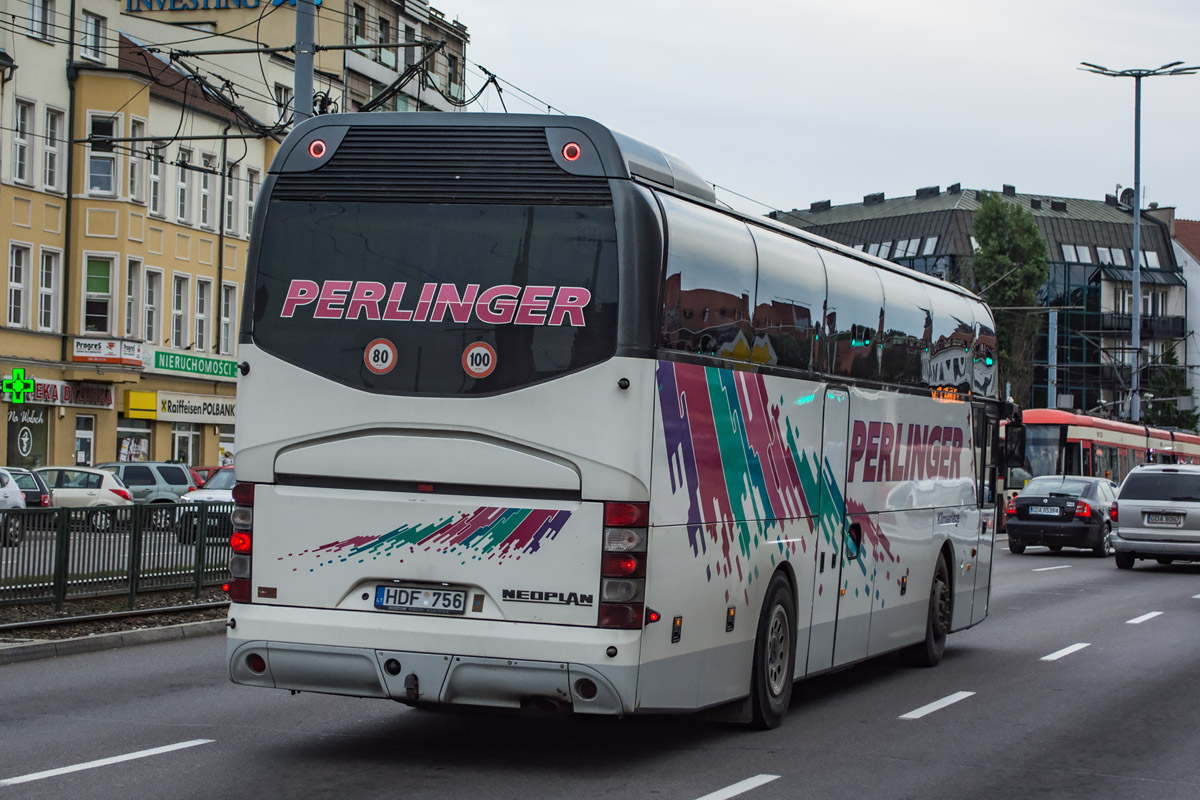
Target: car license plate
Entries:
(1044, 511)
(420, 599)
(1164, 519)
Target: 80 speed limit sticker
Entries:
(380, 356)
(479, 359)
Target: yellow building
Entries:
(127, 189)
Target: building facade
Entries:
(128, 183)
(1088, 294)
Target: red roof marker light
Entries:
(316, 148)
(572, 151)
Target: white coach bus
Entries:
(527, 419)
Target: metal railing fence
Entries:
(60, 554)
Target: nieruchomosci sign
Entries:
(176, 407)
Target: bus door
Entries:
(987, 442)
(831, 525)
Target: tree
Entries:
(1167, 383)
(1010, 268)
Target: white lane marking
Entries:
(1143, 618)
(1196, 597)
(103, 762)
(1066, 651)
(936, 705)
(739, 787)
(1047, 569)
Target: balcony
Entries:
(386, 57)
(1151, 327)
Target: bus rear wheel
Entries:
(774, 656)
(929, 652)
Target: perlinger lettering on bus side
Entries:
(496, 305)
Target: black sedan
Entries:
(1060, 511)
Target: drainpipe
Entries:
(217, 294)
(72, 74)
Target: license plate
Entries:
(1164, 519)
(1044, 511)
(420, 599)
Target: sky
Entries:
(788, 103)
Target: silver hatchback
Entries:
(1157, 515)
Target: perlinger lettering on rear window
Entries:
(506, 304)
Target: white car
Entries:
(218, 489)
(84, 487)
(11, 497)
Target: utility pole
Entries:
(1174, 68)
(302, 97)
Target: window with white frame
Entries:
(41, 18)
(133, 293)
(137, 169)
(179, 298)
(930, 244)
(1150, 259)
(152, 307)
(206, 192)
(251, 195)
(92, 36)
(885, 249)
(1104, 255)
(97, 298)
(228, 314)
(203, 311)
(183, 186)
(155, 157)
(48, 290)
(52, 150)
(231, 182)
(22, 131)
(1068, 251)
(101, 158)
(18, 285)
(283, 100)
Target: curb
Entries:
(33, 651)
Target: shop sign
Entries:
(134, 6)
(176, 362)
(176, 407)
(141, 405)
(108, 351)
(67, 393)
(27, 437)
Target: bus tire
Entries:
(774, 656)
(928, 653)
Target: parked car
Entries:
(11, 497)
(84, 487)
(219, 489)
(1059, 511)
(1157, 515)
(204, 474)
(37, 493)
(155, 482)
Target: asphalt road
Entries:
(1081, 684)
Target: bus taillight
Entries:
(623, 565)
(241, 541)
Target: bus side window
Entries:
(790, 304)
(853, 317)
(711, 275)
(907, 330)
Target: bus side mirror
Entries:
(1014, 444)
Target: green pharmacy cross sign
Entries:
(18, 385)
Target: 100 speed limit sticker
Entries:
(380, 356)
(479, 359)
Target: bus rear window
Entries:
(436, 299)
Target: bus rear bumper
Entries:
(291, 659)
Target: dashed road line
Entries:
(1143, 618)
(1066, 651)
(739, 788)
(1047, 569)
(936, 705)
(103, 762)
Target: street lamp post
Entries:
(1174, 68)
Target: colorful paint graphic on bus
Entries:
(734, 452)
(486, 533)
